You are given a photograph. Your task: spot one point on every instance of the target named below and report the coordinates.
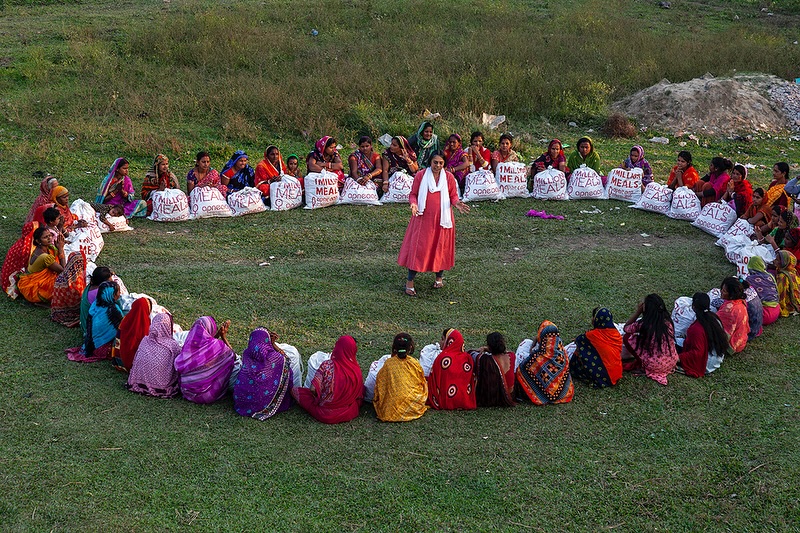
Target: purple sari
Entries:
(262, 387)
(205, 363)
(123, 197)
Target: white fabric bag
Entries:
(169, 205)
(285, 194)
(372, 375)
(207, 202)
(481, 185)
(322, 189)
(295, 361)
(550, 184)
(116, 224)
(83, 211)
(512, 178)
(740, 227)
(314, 362)
(586, 184)
(427, 356)
(716, 218)
(625, 185)
(89, 240)
(356, 194)
(740, 249)
(523, 352)
(656, 198)
(246, 202)
(685, 205)
(399, 188)
(682, 316)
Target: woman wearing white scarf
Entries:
(430, 241)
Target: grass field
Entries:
(77, 451)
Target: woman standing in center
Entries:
(430, 241)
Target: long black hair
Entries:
(715, 334)
(734, 287)
(656, 328)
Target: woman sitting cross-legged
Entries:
(366, 164)
(543, 377)
(706, 343)
(153, 371)
(401, 390)
(494, 366)
(598, 353)
(237, 172)
(207, 364)
(158, 178)
(451, 383)
(650, 342)
(262, 388)
(117, 189)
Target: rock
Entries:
(573, 125)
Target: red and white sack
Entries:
(682, 316)
(716, 218)
(656, 198)
(512, 178)
(427, 356)
(83, 211)
(739, 250)
(685, 205)
(399, 188)
(285, 194)
(169, 205)
(114, 224)
(295, 361)
(625, 185)
(740, 227)
(207, 202)
(246, 202)
(586, 184)
(550, 184)
(314, 362)
(322, 189)
(89, 240)
(357, 194)
(372, 375)
(481, 185)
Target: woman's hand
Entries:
(414, 210)
(462, 208)
(223, 330)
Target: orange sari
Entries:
(37, 284)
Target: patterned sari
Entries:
(397, 162)
(265, 380)
(598, 355)
(37, 284)
(17, 260)
(153, 371)
(453, 158)
(205, 363)
(776, 194)
(124, 196)
(425, 149)
(451, 383)
(45, 188)
(153, 181)
(241, 179)
(65, 305)
(788, 284)
(400, 390)
(211, 179)
(266, 172)
(544, 375)
(735, 321)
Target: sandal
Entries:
(410, 291)
(438, 284)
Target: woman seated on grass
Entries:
(733, 313)
(505, 152)
(133, 328)
(202, 175)
(293, 168)
(636, 160)
(263, 386)
(553, 157)
(683, 174)
(494, 366)
(400, 386)
(650, 341)
(781, 223)
(269, 170)
(45, 192)
(584, 154)
(544, 376)
(706, 343)
(60, 197)
(366, 164)
(739, 191)
(325, 156)
(456, 160)
(479, 155)
(237, 172)
(425, 143)
(766, 287)
(399, 156)
(17, 259)
(102, 326)
(117, 189)
(758, 214)
(158, 178)
(153, 371)
(337, 389)
(451, 382)
(598, 353)
(714, 184)
(45, 263)
(776, 193)
(207, 364)
(100, 275)
(788, 284)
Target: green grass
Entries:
(77, 451)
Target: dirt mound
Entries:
(717, 106)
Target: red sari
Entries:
(42, 199)
(133, 328)
(451, 383)
(337, 389)
(17, 259)
(266, 172)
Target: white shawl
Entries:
(428, 185)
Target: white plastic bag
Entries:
(314, 362)
(356, 194)
(685, 205)
(372, 375)
(523, 352)
(285, 194)
(740, 249)
(116, 224)
(427, 356)
(682, 316)
(399, 187)
(84, 211)
(512, 178)
(550, 184)
(169, 205)
(207, 202)
(740, 227)
(89, 240)
(585, 184)
(295, 361)
(716, 218)
(656, 198)
(625, 185)
(246, 201)
(481, 185)
(322, 189)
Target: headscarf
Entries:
(43, 198)
(395, 161)
(547, 160)
(762, 281)
(56, 192)
(273, 172)
(153, 370)
(451, 382)
(154, 179)
(133, 328)
(319, 148)
(598, 356)
(205, 363)
(108, 181)
(426, 149)
(262, 386)
(429, 185)
(794, 233)
(105, 316)
(544, 376)
(241, 179)
(17, 258)
(642, 163)
(788, 285)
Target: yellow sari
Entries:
(401, 390)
